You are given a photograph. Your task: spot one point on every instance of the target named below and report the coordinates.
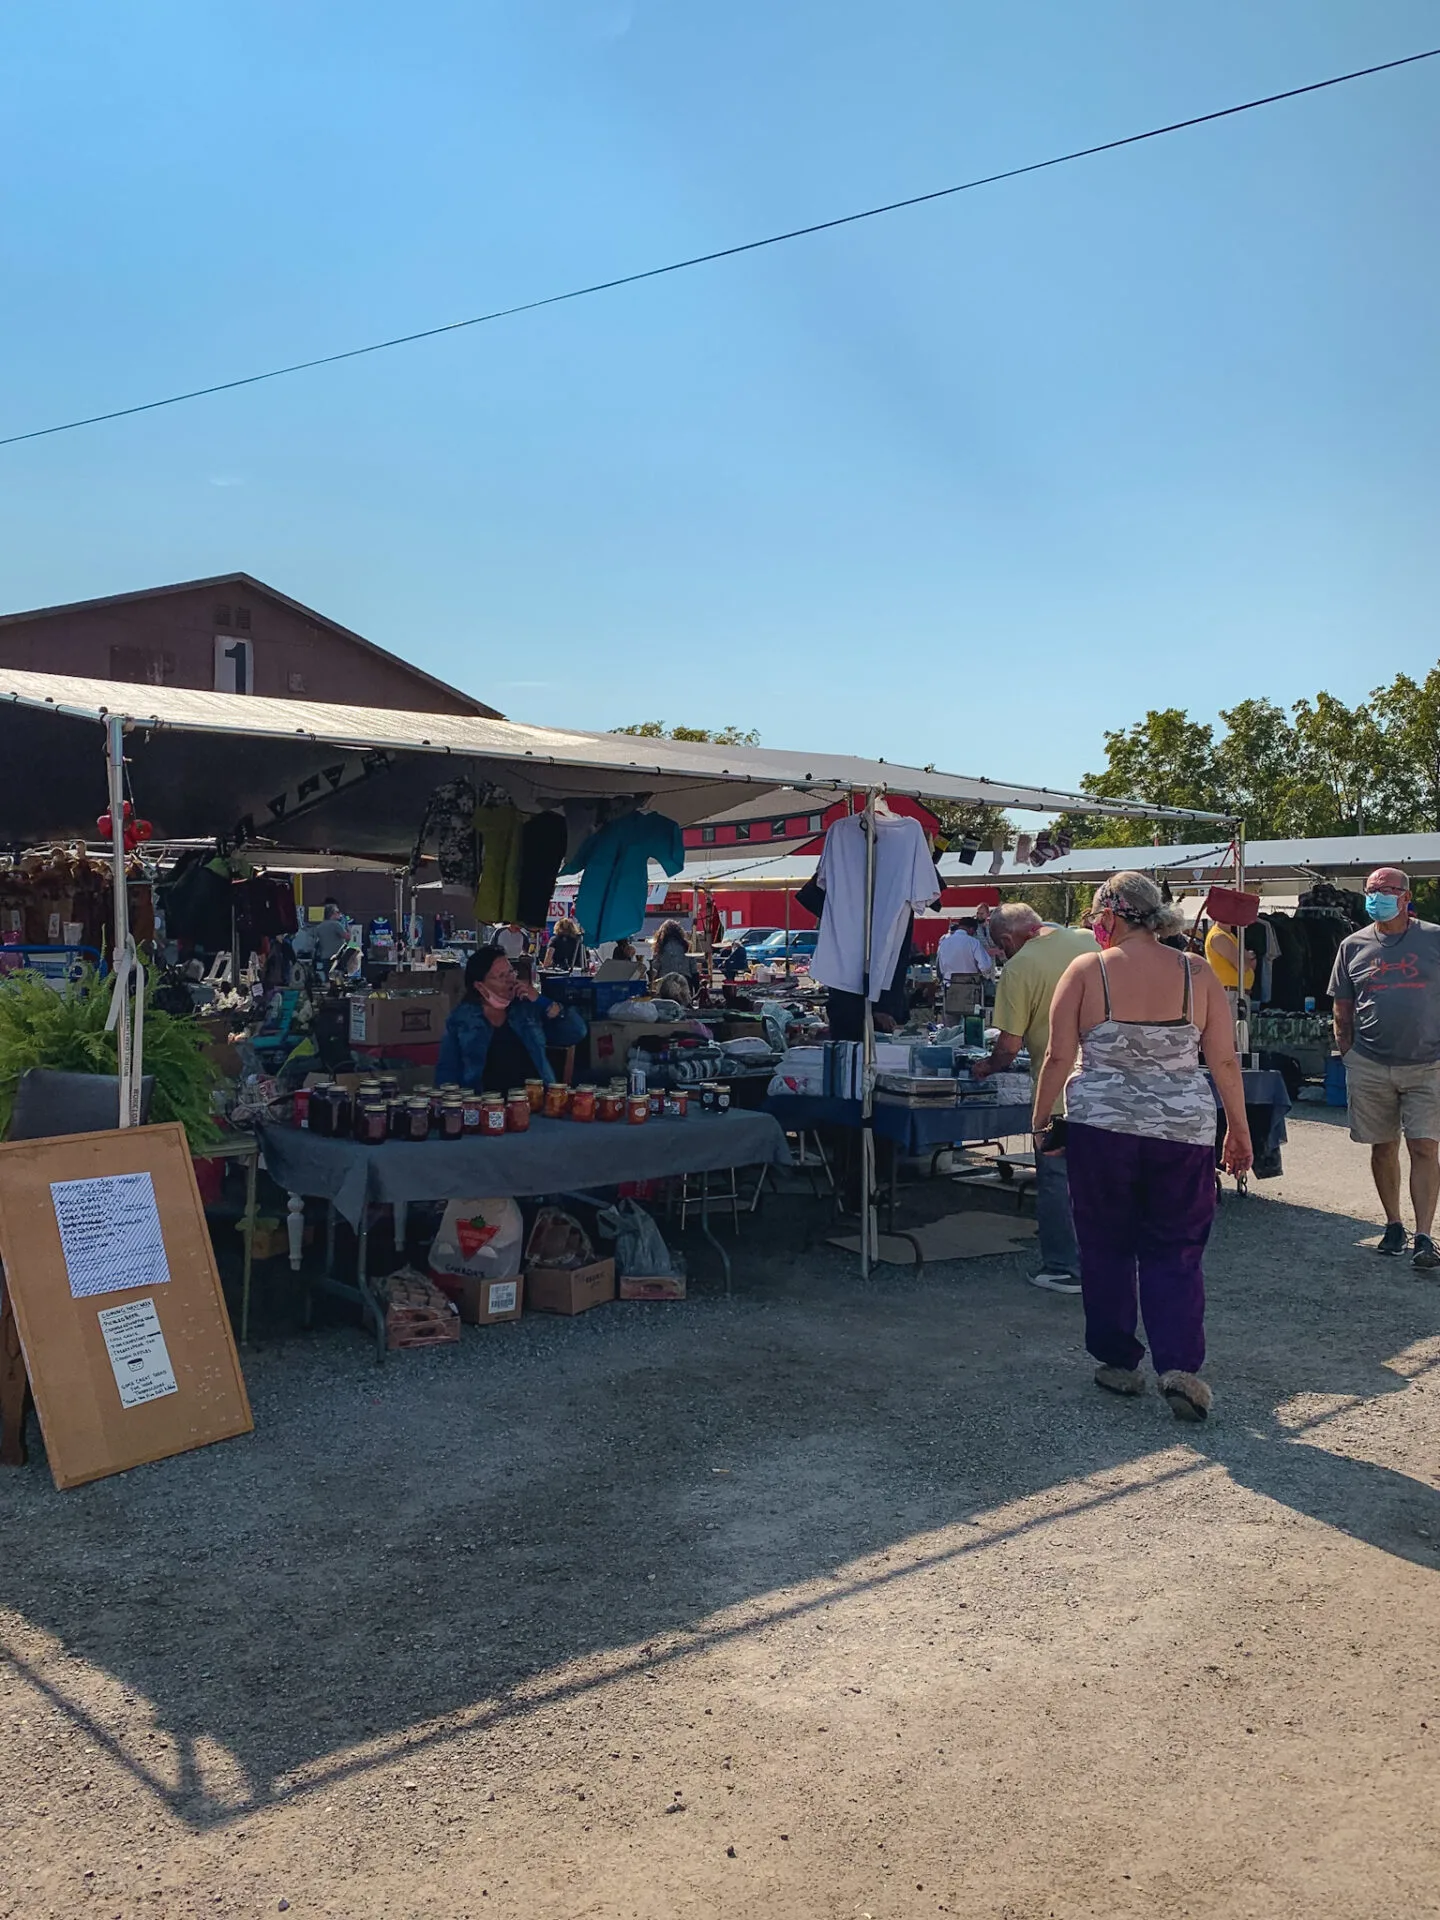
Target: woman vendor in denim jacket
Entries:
(497, 1036)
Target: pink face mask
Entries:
(1102, 935)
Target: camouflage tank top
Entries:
(1143, 1076)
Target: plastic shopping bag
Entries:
(478, 1239)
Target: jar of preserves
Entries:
(371, 1089)
(535, 1094)
(397, 1118)
(557, 1099)
(656, 1097)
(679, 1103)
(452, 1117)
(517, 1111)
(388, 1083)
(637, 1108)
(582, 1103)
(371, 1123)
(300, 1107)
(707, 1096)
(492, 1113)
(722, 1099)
(417, 1117)
(609, 1105)
(470, 1114)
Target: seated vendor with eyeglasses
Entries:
(497, 1036)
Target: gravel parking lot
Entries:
(836, 1599)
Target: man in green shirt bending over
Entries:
(1036, 955)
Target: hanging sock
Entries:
(997, 853)
(1022, 850)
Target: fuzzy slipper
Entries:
(1128, 1380)
(1187, 1395)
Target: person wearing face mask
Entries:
(497, 1036)
(1139, 1136)
(1386, 993)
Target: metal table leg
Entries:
(705, 1229)
(370, 1307)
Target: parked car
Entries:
(771, 952)
(747, 937)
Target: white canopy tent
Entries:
(293, 774)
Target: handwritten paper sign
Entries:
(139, 1358)
(110, 1233)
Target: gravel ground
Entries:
(838, 1599)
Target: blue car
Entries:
(771, 952)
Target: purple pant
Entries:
(1143, 1211)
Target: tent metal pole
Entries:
(128, 1070)
(1242, 1006)
(869, 1239)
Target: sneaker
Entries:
(1426, 1254)
(1394, 1240)
(1055, 1280)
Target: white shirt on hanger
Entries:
(961, 952)
(904, 880)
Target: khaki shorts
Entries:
(1388, 1101)
(965, 993)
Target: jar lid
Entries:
(492, 1099)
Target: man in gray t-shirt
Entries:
(1386, 989)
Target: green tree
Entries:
(1409, 715)
(720, 737)
(1346, 780)
(1167, 759)
(1255, 766)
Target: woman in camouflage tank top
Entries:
(1140, 1136)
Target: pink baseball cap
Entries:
(1388, 880)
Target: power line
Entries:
(721, 253)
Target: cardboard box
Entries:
(407, 1020)
(483, 1302)
(611, 1040)
(448, 981)
(570, 1289)
(657, 1286)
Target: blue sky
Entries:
(964, 485)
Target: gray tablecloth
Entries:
(555, 1156)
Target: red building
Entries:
(230, 634)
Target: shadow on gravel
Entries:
(399, 1556)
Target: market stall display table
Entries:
(910, 1130)
(552, 1157)
(1267, 1101)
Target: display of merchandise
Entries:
(904, 879)
(615, 863)
(449, 819)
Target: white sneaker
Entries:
(1055, 1280)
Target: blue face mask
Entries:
(1382, 906)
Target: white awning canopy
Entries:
(300, 774)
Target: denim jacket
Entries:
(465, 1044)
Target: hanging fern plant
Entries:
(65, 1031)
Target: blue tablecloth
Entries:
(920, 1129)
(913, 1129)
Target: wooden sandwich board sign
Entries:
(111, 1277)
